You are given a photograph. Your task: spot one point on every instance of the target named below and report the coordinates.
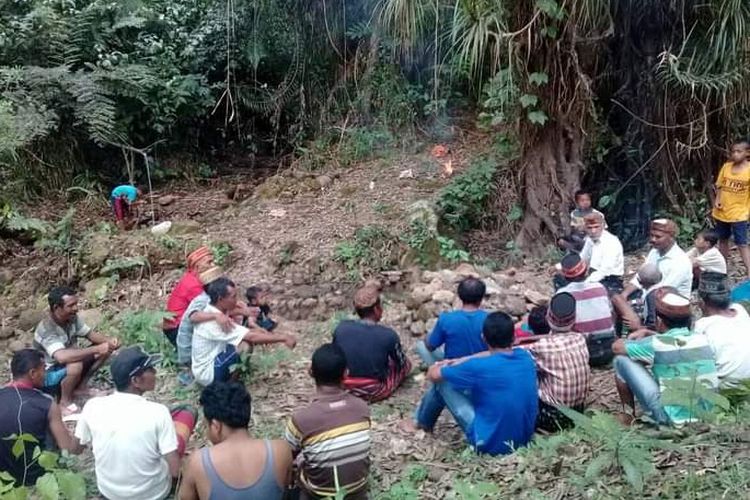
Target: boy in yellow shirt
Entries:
(732, 205)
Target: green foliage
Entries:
(144, 328)
(626, 450)
(60, 238)
(12, 221)
(121, 266)
(55, 484)
(372, 249)
(451, 252)
(220, 251)
(462, 202)
(407, 487)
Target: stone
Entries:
(309, 302)
(374, 283)
(429, 276)
(29, 318)
(426, 311)
(466, 270)
(449, 277)
(96, 289)
(503, 281)
(167, 199)
(336, 301)
(224, 203)
(421, 294)
(184, 227)
(305, 291)
(17, 345)
(443, 296)
(6, 333)
(324, 181)
(536, 298)
(98, 250)
(417, 328)
(514, 305)
(492, 288)
(6, 277)
(393, 277)
(92, 317)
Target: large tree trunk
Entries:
(552, 169)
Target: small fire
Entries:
(448, 168)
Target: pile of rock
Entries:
(435, 292)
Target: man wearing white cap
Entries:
(675, 353)
(673, 263)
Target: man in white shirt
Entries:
(603, 254)
(134, 440)
(726, 326)
(215, 350)
(673, 263)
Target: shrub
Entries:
(462, 202)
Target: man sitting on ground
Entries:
(137, 444)
(188, 288)
(459, 333)
(374, 356)
(535, 324)
(603, 255)
(726, 326)
(57, 336)
(674, 353)
(237, 466)
(593, 310)
(493, 394)
(25, 409)
(639, 311)
(214, 350)
(331, 434)
(562, 365)
(673, 263)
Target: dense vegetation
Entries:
(617, 93)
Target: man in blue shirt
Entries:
(122, 199)
(456, 334)
(492, 394)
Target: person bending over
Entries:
(375, 359)
(237, 466)
(25, 409)
(123, 200)
(337, 422)
(57, 336)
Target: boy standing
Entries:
(732, 205)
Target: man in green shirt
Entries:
(647, 362)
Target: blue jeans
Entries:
(223, 361)
(643, 385)
(440, 396)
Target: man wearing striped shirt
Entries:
(675, 355)
(593, 310)
(331, 436)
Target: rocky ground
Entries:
(283, 232)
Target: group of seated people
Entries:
(500, 381)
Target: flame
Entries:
(448, 168)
